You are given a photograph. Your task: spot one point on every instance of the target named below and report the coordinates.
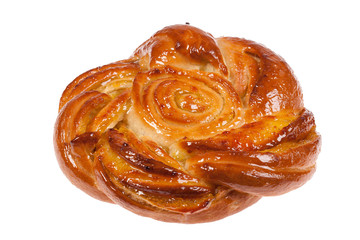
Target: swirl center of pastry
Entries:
(191, 102)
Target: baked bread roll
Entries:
(189, 129)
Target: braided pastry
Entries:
(188, 129)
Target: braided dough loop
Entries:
(188, 129)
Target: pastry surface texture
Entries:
(189, 129)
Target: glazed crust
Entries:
(189, 129)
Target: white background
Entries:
(44, 45)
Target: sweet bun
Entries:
(189, 129)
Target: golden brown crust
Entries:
(189, 129)
(261, 77)
(181, 46)
(262, 173)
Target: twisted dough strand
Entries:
(189, 129)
